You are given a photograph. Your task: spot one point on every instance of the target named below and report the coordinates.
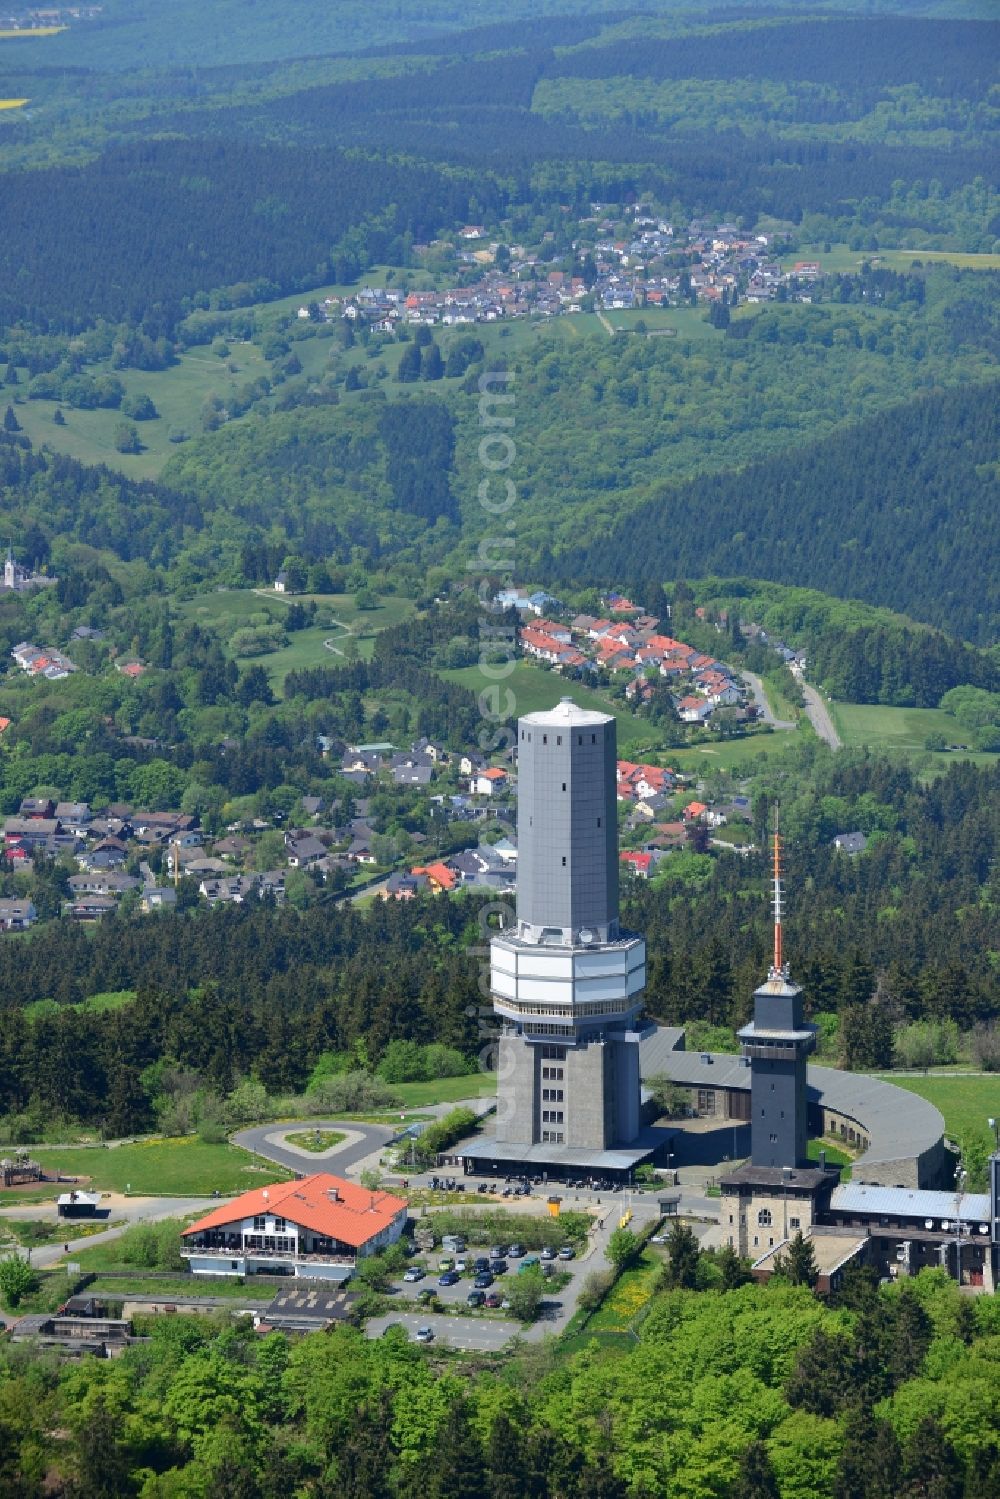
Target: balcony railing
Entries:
(244, 1249)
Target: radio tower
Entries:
(779, 969)
(777, 1041)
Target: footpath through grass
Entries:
(163, 1168)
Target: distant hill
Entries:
(898, 510)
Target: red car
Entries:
(493, 1301)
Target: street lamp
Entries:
(960, 1178)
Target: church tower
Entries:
(778, 1041)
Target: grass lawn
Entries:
(834, 1157)
(534, 689)
(316, 1140)
(902, 729)
(965, 1102)
(447, 1089)
(32, 1232)
(177, 393)
(183, 1288)
(226, 609)
(157, 1168)
(731, 754)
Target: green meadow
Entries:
(902, 729)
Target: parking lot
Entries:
(479, 1334)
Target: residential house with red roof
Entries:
(489, 782)
(638, 863)
(439, 877)
(315, 1228)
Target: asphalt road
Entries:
(819, 716)
(480, 1333)
(123, 1211)
(763, 706)
(362, 1140)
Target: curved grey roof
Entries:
(900, 1125)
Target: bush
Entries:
(150, 1246)
(986, 1047)
(349, 1092)
(17, 1279)
(444, 1133)
(926, 1043)
(594, 1289)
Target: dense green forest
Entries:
(240, 990)
(733, 1391)
(916, 483)
(201, 214)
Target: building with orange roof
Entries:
(488, 782)
(316, 1228)
(438, 876)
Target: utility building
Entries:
(566, 982)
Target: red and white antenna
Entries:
(778, 969)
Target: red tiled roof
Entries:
(353, 1216)
(439, 874)
(493, 774)
(639, 862)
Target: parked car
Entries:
(567, 1252)
(515, 1252)
(548, 1253)
(483, 1280)
(449, 1278)
(414, 1273)
(497, 1251)
(481, 1264)
(446, 1262)
(493, 1300)
(475, 1298)
(461, 1265)
(529, 1263)
(425, 1334)
(498, 1267)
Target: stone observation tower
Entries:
(778, 1041)
(566, 982)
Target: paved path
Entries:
(362, 1141)
(123, 1210)
(819, 716)
(763, 705)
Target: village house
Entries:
(17, 915)
(489, 782)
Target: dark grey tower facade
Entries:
(778, 1041)
(566, 983)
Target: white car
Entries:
(425, 1334)
(414, 1273)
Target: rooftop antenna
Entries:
(778, 969)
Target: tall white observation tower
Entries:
(566, 982)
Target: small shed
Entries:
(76, 1204)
